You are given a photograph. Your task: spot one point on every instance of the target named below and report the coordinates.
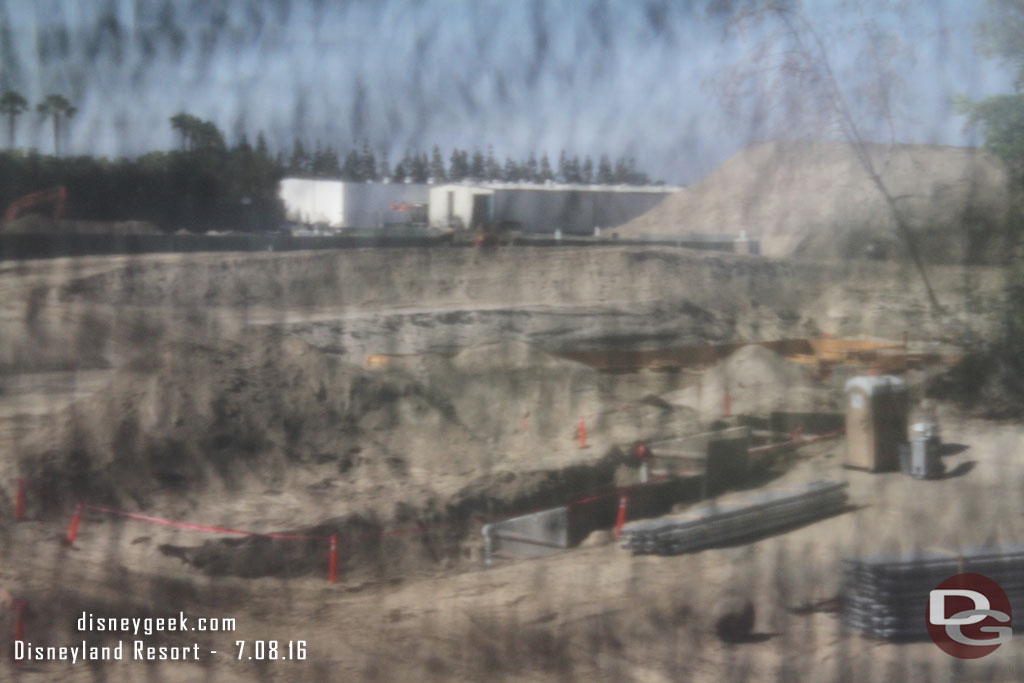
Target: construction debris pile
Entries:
(749, 517)
(885, 595)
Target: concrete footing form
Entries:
(534, 535)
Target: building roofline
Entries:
(555, 187)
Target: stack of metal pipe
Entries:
(886, 596)
(741, 519)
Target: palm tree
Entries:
(187, 126)
(12, 104)
(56, 106)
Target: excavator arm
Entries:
(58, 196)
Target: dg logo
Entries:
(969, 616)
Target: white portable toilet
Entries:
(876, 422)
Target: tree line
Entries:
(204, 185)
(208, 184)
(363, 165)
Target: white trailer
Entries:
(573, 209)
(340, 204)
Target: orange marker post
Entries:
(623, 502)
(332, 563)
(19, 623)
(582, 432)
(797, 434)
(19, 502)
(73, 527)
(727, 403)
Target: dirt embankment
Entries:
(90, 313)
(197, 419)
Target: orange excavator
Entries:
(58, 196)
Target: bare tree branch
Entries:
(807, 69)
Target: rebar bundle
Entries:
(886, 596)
(743, 519)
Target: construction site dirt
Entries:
(310, 443)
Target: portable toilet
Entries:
(876, 422)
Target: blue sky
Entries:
(641, 78)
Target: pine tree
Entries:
(299, 162)
(604, 171)
(531, 174)
(545, 169)
(476, 166)
(261, 146)
(458, 166)
(512, 173)
(368, 163)
(562, 175)
(572, 171)
(352, 169)
(406, 165)
(243, 146)
(587, 172)
(420, 170)
(325, 163)
(437, 171)
(621, 173)
(492, 170)
(635, 177)
(384, 171)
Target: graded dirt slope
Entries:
(816, 199)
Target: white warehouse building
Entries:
(342, 204)
(573, 209)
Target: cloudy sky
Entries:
(652, 79)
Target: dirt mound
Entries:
(512, 389)
(758, 381)
(224, 416)
(816, 200)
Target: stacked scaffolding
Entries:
(746, 518)
(886, 596)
